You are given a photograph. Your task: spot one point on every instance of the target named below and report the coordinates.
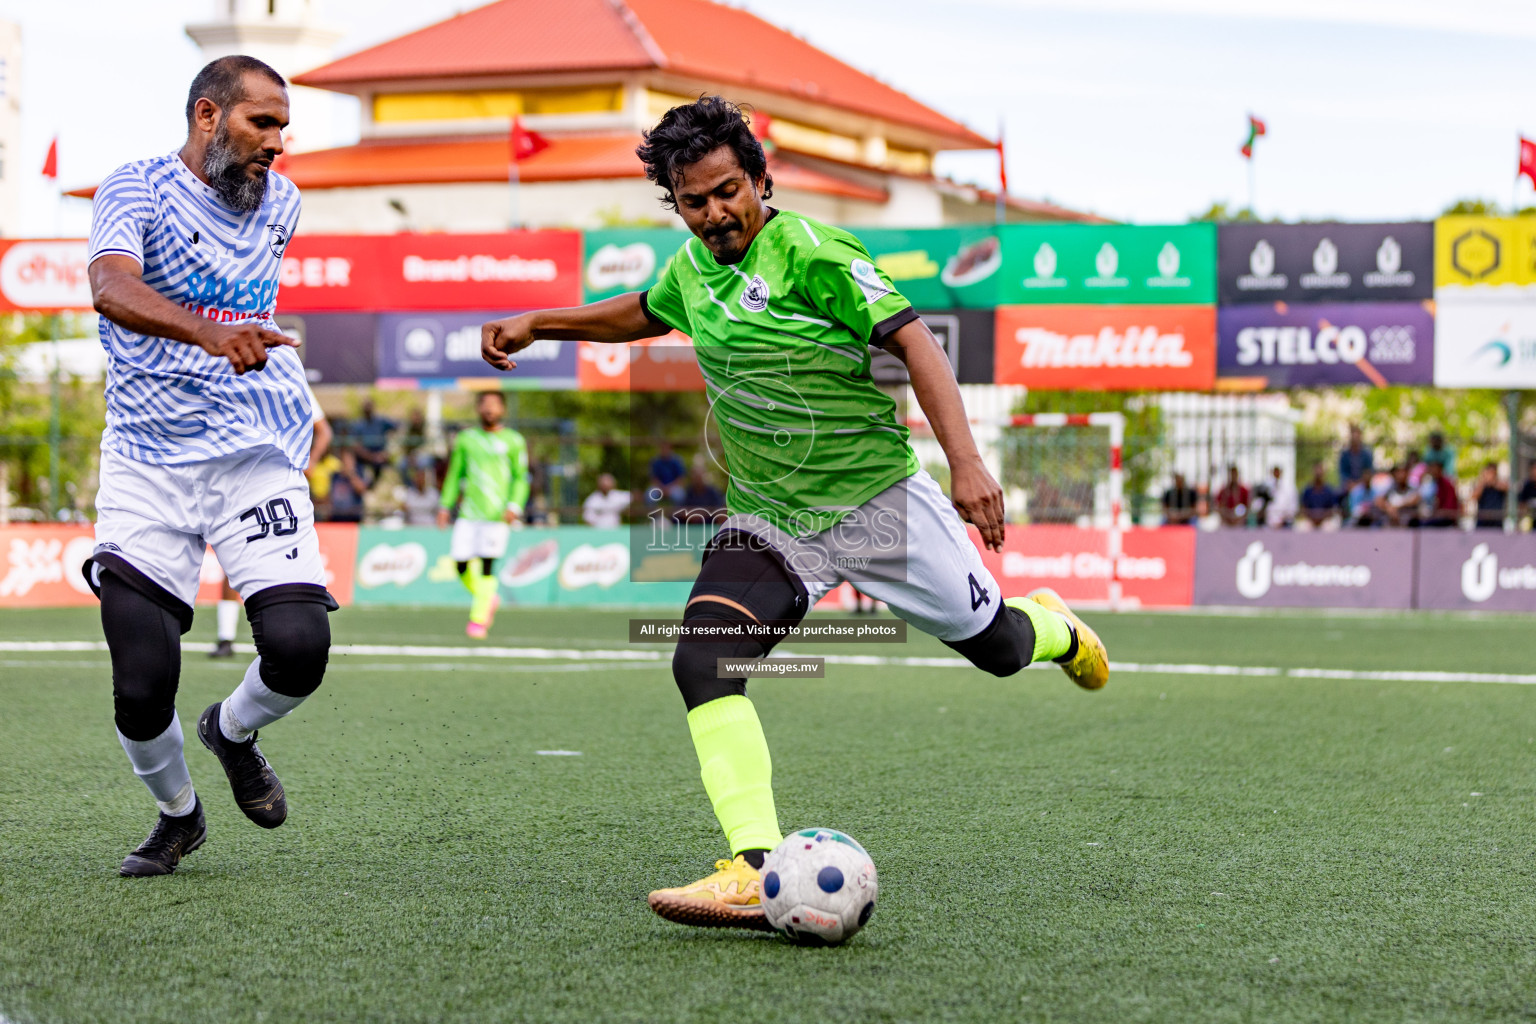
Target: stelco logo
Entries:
(1257, 573)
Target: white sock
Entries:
(252, 706)
(162, 766)
(229, 615)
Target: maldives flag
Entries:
(1527, 160)
(51, 161)
(1255, 129)
(1002, 161)
(524, 143)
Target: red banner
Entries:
(382, 273)
(1107, 348)
(654, 364)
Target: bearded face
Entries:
(238, 178)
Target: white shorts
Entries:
(474, 538)
(252, 508)
(906, 546)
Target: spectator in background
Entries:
(1319, 501)
(1490, 497)
(1399, 506)
(421, 495)
(1355, 461)
(347, 489)
(1180, 502)
(1527, 495)
(667, 473)
(1442, 506)
(701, 502)
(1233, 499)
(605, 506)
(1415, 463)
(1275, 502)
(369, 437)
(412, 440)
(1360, 502)
(1439, 452)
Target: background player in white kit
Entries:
(208, 429)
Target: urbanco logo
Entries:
(1045, 264)
(1261, 276)
(1325, 268)
(1389, 272)
(1106, 263)
(1255, 571)
(1168, 260)
(1480, 574)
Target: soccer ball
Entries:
(819, 886)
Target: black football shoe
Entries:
(223, 649)
(170, 840)
(256, 786)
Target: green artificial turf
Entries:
(1174, 848)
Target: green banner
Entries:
(619, 260)
(564, 565)
(1109, 264)
(938, 268)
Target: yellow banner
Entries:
(1485, 251)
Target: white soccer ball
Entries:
(819, 886)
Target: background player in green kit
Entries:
(824, 485)
(488, 479)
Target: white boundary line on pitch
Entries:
(595, 658)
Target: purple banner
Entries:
(444, 347)
(1295, 345)
(1484, 569)
(1282, 569)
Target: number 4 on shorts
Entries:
(979, 595)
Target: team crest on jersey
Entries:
(755, 297)
(278, 240)
(868, 280)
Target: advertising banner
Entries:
(378, 273)
(1325, 262)
(619, 260)
(939, 268)
(1107, 348)
(440, 348)
(666, 363)
(1484, 569)
(337, 348)
(565, 565)
(40, 565)
(1156, 567)
(1278, 345)
(1277, 568)
(1483, 252)
(44, 275)
(1483, 343)
(338, 554)
(1061, 264)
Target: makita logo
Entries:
(1137, 347)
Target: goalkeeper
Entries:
(488, 480)
(824, 485)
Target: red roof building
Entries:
(589, 76)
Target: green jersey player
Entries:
(488, 479)
(824, 485)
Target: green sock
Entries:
(470, 575)
(1053, 636)
(484, 591)
(737, 771)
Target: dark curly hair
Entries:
(686, 134)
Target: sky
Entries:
(1133, 109)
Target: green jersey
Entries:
(490, 470)
(782, 338)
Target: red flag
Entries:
(1002, 160)
(524, 143)
(51, 162)
(1255, 129)
(1527, 160)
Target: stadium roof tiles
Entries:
(692, 38)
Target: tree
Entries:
(26, 411)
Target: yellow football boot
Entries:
(1089, 668)
(732, 897)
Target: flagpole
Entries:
(1252, 201)
(1001, 213)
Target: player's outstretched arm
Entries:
(616, 320)
(973, 490)
(119, 293)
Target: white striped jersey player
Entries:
(194, 452)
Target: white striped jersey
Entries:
(169, 402)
